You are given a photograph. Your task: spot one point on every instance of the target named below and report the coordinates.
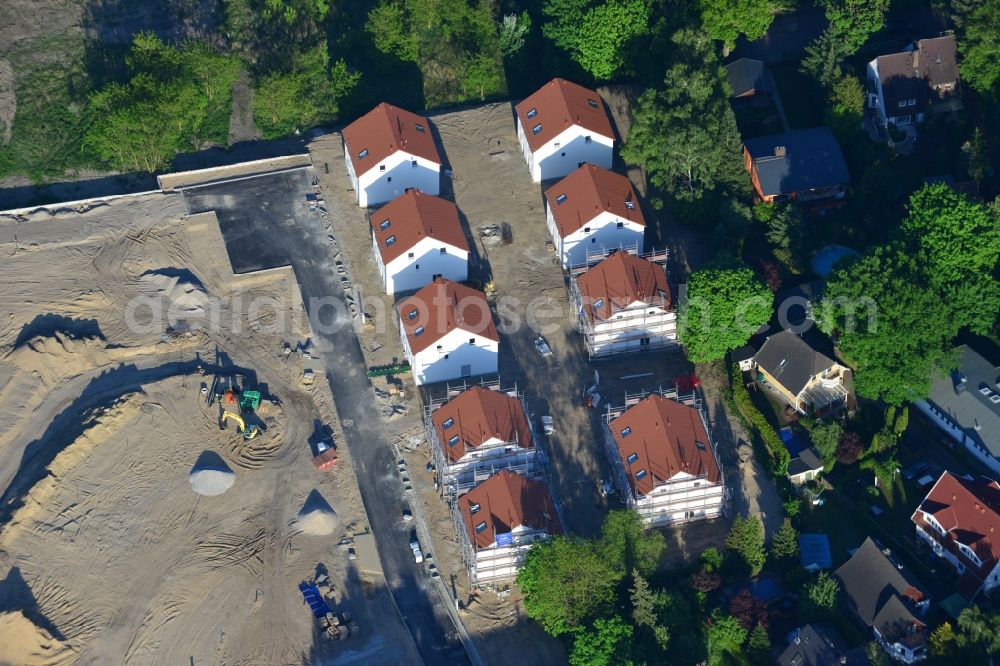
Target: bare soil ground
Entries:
(106, 554)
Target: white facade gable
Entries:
(565, 153)
(431, 259)
(603, 233)
(457, 354)
(392, 176)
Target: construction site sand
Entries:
(104, 543)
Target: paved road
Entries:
(274, 207)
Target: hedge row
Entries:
(759, 426)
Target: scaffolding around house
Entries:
(595, 257)
(455, 478)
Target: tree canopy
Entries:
(746, 538)
(603, 644)
(596, 34)
(980, 46)
(724, 307)
(726, 20)
(625, 545)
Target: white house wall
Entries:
(600, 234)
(501, 563)
(377, 186)
(681, 500)
(957, 433)
(625, 331)
(404, 274)
(437, 365)
(565, 153)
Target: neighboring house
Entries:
(665, 462)
(417, 238)
(803, 377)
(903, 86)
(887, 600)
(562, 126)
(478, 433)
(624, 306)
(802, 165)
(958, 519)
(448, 333)
(389, 151)
(805, 467)
(591, 212)
(966, 405)
(746, 77)
(819, 645)
(497, 523)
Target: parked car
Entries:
(542, 347)
(418, 555)
(407, 516)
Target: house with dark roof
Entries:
(498, 522)
(561, 127)
(803, 377)
(965, 404)
(819, 645)
(448, 332)
(801, 165)
(591, 212)
(746, 77)
(960, 520)
(624, 305)
(417, 238)
(665, 462)
(886, 599)
(902, 87)
(805, 466)
(388, 151)
(478, 433)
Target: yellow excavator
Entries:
(249, 432)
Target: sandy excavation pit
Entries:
(107, 554)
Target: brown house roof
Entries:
(619, 281)
(441, 307)
(664, 437)
(586, 193)
(477, 416)
(385, 130)
(558, 105)
(505, 501)
(937, 58)
(412, 217)
(969, 512)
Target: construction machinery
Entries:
(249, 431)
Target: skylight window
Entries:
(449, 423)
(700, 445)
(474, 508)
(640, 475)
(418, 332)
(536, 129)
(385, 225)
(532, 112)
(592, 103)
(420, 128)
(632, 458)
(561, 198)
(599, 303)
(630, 205)
(481, 527)
(412, 314)
(453, 441)
(390, 240)
(627, 431)
(363, 154)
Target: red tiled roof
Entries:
(590, 191)
(479, 415)
(969, 513)
(412, 217)
(385, 130)
(663, 435)
(507, 500)
(621, 280)
(441, 307)
(561, 104)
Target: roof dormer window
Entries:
(536, 129)
(632, 458)
(363, 154)
(385, 225)
(449, 423)
(700, 445)
(453, 441)
(420, 128)
(599, 303)
(474, 508)
(418, 332)
(630, 205)
(640, 475)
(390, 240)
(592, 103)
(532, 112)
(480, 528)
(412, 314)
(561, 198)
(627, 431)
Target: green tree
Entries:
(513, 29)
(726, 20)
(980, 46)
(759, 644)
(978, 632)
(746, 538)
(856, 20)
(566, 583)
(389, 25)
(646, 609)
(724, 307)
(941, 645)
(901, 422)
(602, 645)
(605, 31)
(725, 637)
(876, 655)
(823, 58)
(684, 134)
(482, 75)
(825, 437)
(563, 21)
(626, 545)
(711, 558)
(785, 544)
(821, 596)
(847, 107)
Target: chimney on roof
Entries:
(780, 151)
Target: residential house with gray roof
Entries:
(802, 165)
(803, 377)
